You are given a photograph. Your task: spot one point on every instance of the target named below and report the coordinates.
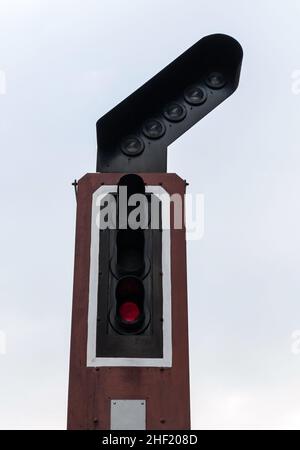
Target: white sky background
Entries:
(66, 63)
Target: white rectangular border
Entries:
(92, 360)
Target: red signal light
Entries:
(129, 312)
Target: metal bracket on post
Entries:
(75, 185)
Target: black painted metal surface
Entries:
(134, 136)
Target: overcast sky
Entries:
(63, 64)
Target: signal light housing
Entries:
(134, 136)
(195, 95)
(154, 129)
(130, 314)
(132, 146)
(215, 80)
(175, 112)
(130, 294)
(130, 251)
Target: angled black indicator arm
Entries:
(134, 136)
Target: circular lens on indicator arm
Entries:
(215, 80)
(132, 145)
(174, 112)
(154, 129)
(195, 95)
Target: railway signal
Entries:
(129, 365)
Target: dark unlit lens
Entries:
(174, 112)
(215, 80)
(132, 146)
(153, 129)
(195, 95)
